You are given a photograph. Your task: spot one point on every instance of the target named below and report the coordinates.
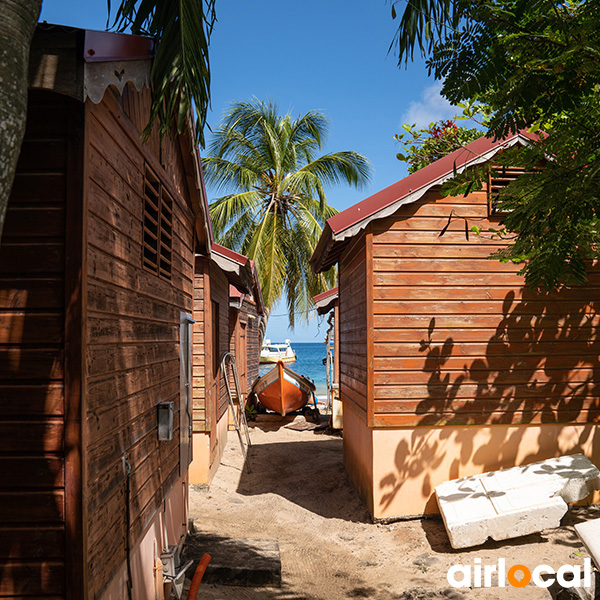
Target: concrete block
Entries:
(235, 561)
(589, 534)
(514, 502)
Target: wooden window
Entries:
(215, 337)
(500, 177)
(158, 227)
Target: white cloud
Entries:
(431, 107)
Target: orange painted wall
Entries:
(411, 461)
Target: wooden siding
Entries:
(244, 337)
(132, 329)
(219, 293)
(250, 314)
(353, 326)
(34, 534)
(210, 401)
(457, 340)
(200, 364)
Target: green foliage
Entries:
(180, 71)
(277, 205)
(424, 146)
(251, 412)
(536, 65)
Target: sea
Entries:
(309, 362)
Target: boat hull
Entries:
(267, 360)
(283, 390)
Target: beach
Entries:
(299, 494)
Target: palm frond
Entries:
(180, 74)
(340, 167)
(222, 173)
(229, 209)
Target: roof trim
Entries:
(82, 63)
(325, 301)
(107, 46)
(350, 222)
(240, 270)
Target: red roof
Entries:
(332, 292)
(230, 254)
(325, 301)
(246, 276)
(234, 292)
(349, 222)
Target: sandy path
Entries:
(300, 495)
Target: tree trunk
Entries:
(262, 328)
(19, 18)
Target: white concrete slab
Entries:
(589, 534)
(516, 501)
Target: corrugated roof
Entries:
(342, 227)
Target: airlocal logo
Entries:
(518, 576)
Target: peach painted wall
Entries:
(200, 465)
(145, 554)
(410, 462)
(358, 454)
(202, 468)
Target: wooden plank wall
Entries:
(219, 293)
(32, 335)
(133, 335)
(252, 339)
(457, 340)
(209, 392)
(235, 347)
(353, 330)
(201, 339)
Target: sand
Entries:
(299, 494)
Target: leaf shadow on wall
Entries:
(539, 364)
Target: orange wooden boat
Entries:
(283, 390)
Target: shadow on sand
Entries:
(308, 473)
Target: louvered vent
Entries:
(158, 227)
(500, 177)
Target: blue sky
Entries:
(330, 55)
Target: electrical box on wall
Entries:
(165, 421)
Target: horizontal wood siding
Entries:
(133, 321)
(219, 293)
(235, 343)
(32, 330)
(250, 315)
(201, 339)
(353, 327)
(457, 340)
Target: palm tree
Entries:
(180, 72)
(278, 206)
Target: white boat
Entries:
(272, 353)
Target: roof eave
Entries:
(321, 258)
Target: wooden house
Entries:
(448, 365)
(227, 309)
(96, 302)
